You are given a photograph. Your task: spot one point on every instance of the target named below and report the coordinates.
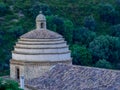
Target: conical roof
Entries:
(41, 34)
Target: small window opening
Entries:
(17, 73)
(42, 25)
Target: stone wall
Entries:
(31, 70)
(13, 70)
(34, 71)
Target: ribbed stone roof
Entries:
(41, 34)
(70, 77)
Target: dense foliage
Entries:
(91, 28)
(103, 64)
(106, 47)
(115, 30)
(8, 85)
(83, 36)
(81, 56)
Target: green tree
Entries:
(16, 31)
(56, 23)
(115, 30)
(90, 23)
(59, 22)
(105, 47)
(3, 9)
(35, 8)
(50, 25)
(83, 36)
(8, 85)
(62, 26)
(108, 13)
(68, 31)
(103, 64)
(118, 1)
(1, 40)
(80, 55)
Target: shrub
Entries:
(8, 85)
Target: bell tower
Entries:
(41, 21)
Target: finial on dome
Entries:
(40, 21)
(40, 12)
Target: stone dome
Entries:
(41, 49)
(41, 34)
(41, 45)
(37, 51)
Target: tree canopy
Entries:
(106, 47)
(92, 28)
(81, 56)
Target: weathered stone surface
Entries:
(31, 69)
(37, 51)
(13, 70)
(69, 77)
(41, 34)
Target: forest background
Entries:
(91, 28)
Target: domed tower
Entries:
(37, 51)
(40, 22)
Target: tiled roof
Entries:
(69, 77)
(41, 34)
